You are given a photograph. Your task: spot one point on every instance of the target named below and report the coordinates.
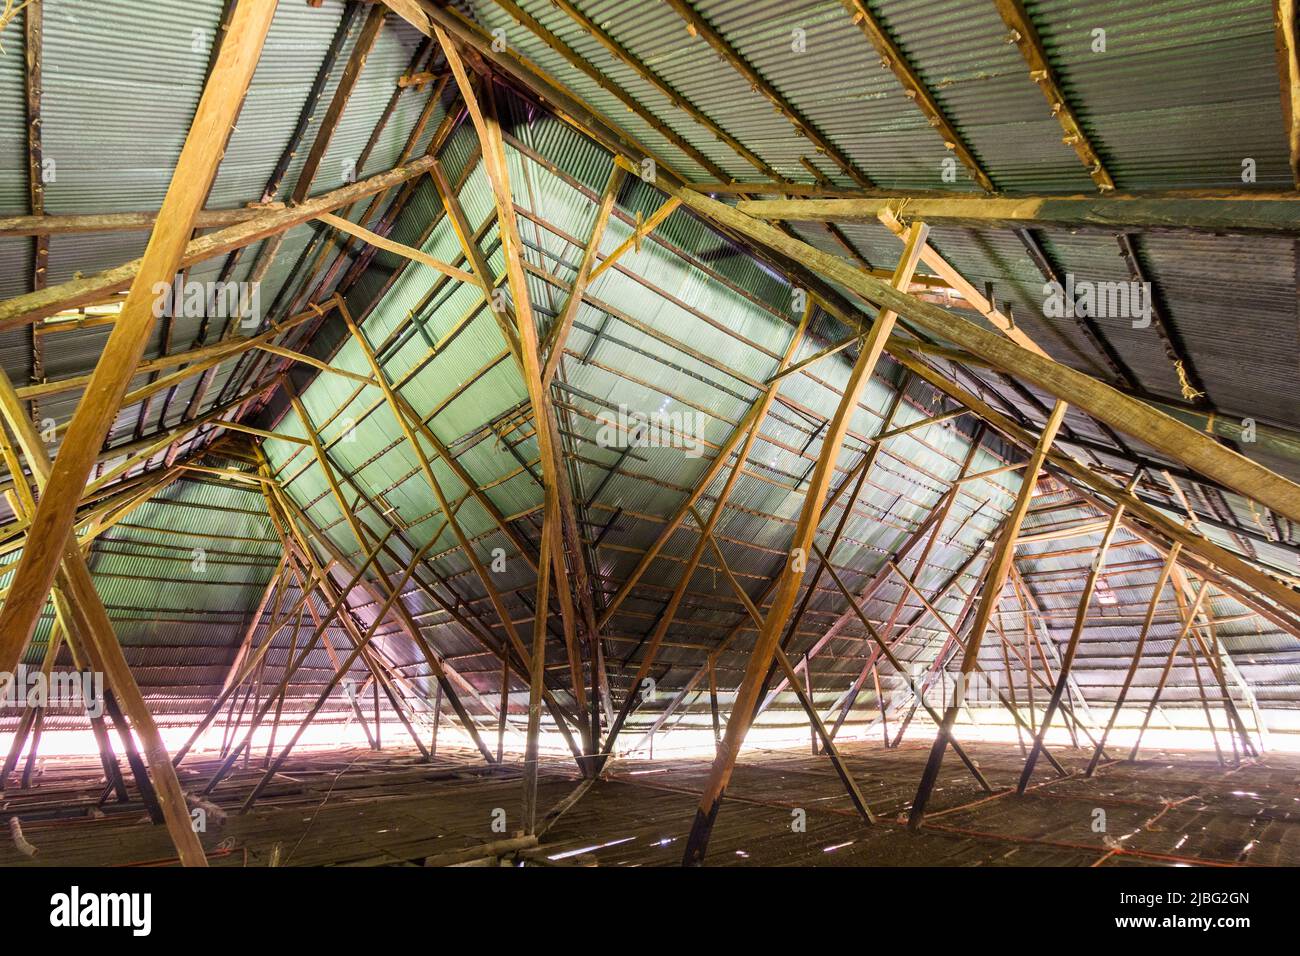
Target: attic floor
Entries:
(386, 809)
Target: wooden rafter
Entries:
(801, 552)
(914, 87)
(602, 80)
(699, 27)
(679, 101)
(559, 334)
(389, 245)
(338, 103)
(1288, 62)
(33, 33)
(1072, 645)
(1101, 401)
(78, 605)
(750, 434)
(25, 309)
(1026, 39)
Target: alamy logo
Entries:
(1098, 300)
(635, 429)
(74, 908)
(217, 300)
(67, 689)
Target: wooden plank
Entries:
(698, 26)
(1288, 59)
(78, 604)
(801, 550)
(67, 224)
(1072, 645)
(893, 59)
(25, 309)
(559, 333)
(1025, 37)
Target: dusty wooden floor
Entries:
(363, 808)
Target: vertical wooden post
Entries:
(713, 705)
(808, 690)
(504, 708)
(437, 719)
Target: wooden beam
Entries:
(33, 42)
(1027, 41)
(555, 482)
(601, 78)
(620, 53)
(380, 242)
(537, 667)
(698, 26)
(1173, 438)
(559, 333)
(995, 577)
(893, 59)
(1136, 508)
(1072, 645)
(47, 224)
(395, 407)
(342, 93)
(340, 672)
(805, 694)
(25, 309)
(1189, 620)
(932, 258)
(755, 419)
(78, 604)
(1156, 593)
(633, 241)
(195, 170)
(1288, 62)
(195, 361)
(1262, 213)
(801, 550)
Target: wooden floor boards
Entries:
(361, 808)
